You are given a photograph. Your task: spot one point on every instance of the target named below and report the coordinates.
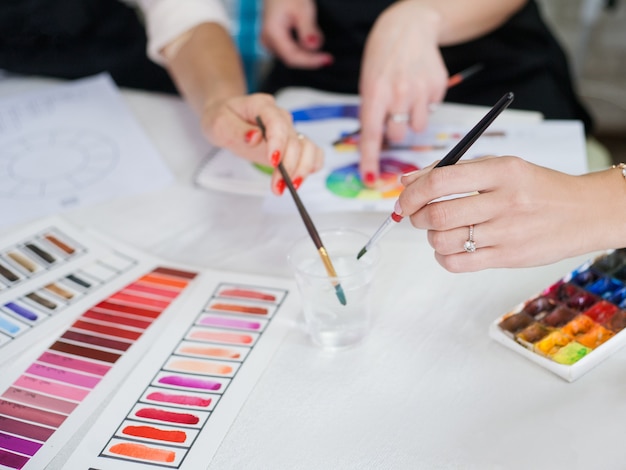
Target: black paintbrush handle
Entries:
(308, 223)
(466, 142)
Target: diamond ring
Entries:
(399, 117)
(470, 246)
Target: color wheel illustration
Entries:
(54, 163)
(346, 182)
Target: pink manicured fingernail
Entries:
(409, 173)
(396, 208)
(297, 182)
(251, 134)
(275, 158)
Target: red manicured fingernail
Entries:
(312, 39)
(370, 178)
(280, 186)
(251, 134)
(328, 61)
(275, 158)
(297, 182)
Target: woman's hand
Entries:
(522, 214)
(402, 75)
(290, 32)
(231, 123)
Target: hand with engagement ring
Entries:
(520, 214)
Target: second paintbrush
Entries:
(308, 223)
(451, 158)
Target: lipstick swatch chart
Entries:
(73, 308)
(178, 350)
(189, 387)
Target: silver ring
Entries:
(399, 117)
(300, 136)
(470, 246)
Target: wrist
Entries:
(429, 18)
(608, 225)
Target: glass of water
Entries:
(331, 324)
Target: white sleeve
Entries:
(167, 19)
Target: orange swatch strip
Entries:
(221, 337)
(247, 294)
(239, 309)
(210, 352)
(139, 451)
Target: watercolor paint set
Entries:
(575, 323)
(84, 319)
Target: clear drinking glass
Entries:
(329, 323)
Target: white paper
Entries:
(337, 187)
(71, 145)
(220, 327)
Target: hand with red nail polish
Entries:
(231, 123)
(282, 18)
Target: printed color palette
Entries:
(178, 403)
(54, 385)
(576, 322)
(45, 274)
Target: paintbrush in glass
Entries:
(308, 223)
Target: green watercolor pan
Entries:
(575, 323)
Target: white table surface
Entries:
(428, 389)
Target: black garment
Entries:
(521, 56)
(77, 38)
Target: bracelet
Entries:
(622, 167)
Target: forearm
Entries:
(206, 67)
(458, 21)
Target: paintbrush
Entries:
(451, 158)
(453, 80)
(308, 223)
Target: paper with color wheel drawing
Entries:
(224, 171)
(70, 145)
(338, 187)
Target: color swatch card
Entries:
(78, 312)
(575, 323)
(94, 308)
(48, 272)
(188, 389)
(70, 145)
